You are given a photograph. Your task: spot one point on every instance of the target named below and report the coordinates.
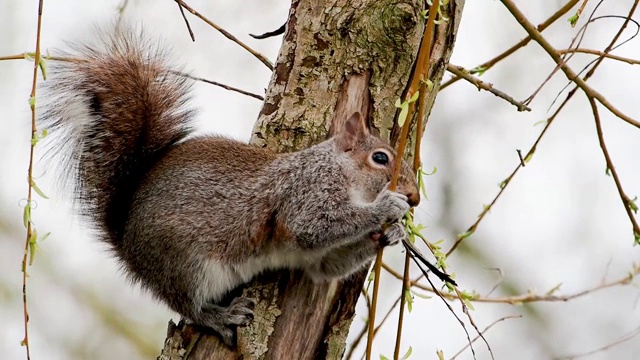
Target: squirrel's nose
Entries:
(413, 198)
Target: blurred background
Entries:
(560, 221)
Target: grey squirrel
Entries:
(193, 217)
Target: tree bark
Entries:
(337, 57)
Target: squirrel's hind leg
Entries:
(225, 319)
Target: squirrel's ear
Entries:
(354, 129)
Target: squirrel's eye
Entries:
(380, 157)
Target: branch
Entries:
(623, 339)
(484, 331)
(629, 205)
(465, 74)
(553, 53)
(31, 237)
(524, 298)
(28, 56)
(507, 181)
(601, 54)
(522, 43)
(227, 34)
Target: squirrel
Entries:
(193, 217)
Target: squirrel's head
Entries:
(376, 160)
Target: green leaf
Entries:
(414, 97)
(422, 296)
(404, 108)
(449, 287)
(636, 238)
(37, 189)
(408, 299)
(406, 356)
(503, 184)
(33, 244)
(43, 67)
(404, 111)
(480, 70)
(465, 235)
(440, 354)
(468, 304)
(26, 214)
(32, 102)
(435, 170)
(553, 289)
(540, 122)
(633, 206)
(528, 157)
(382, 357)
(574, 19)
(429, 85)
(45, 237)
(421, 185)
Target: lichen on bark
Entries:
(333, 40)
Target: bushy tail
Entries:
(111, 113)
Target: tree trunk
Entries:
(337, 57)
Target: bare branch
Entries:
(629, 205)
(623, 339)
(228, 35)
(484, 331)
(522, 43)
(186, 21)
(553, 53)
(464, 74)
(601, 54)
(529, 297)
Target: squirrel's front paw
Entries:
(392, 205)
(391, 236)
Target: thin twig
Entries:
(512, 300)
(419, 75)
(626, 201)
(579, 12)
(623, 339)
(569, 73)
(407, 256)
(525, 298)
(121, 9)
(224, 86)
(522, 43)
(522, 162)
(464, 74)
(484, 331)
(27, 248)
(507, 181)
(465, 310)
(228, 35)
(186, 21)
(601, 54)
(426, 276)
(405, 287)
(374, 304)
